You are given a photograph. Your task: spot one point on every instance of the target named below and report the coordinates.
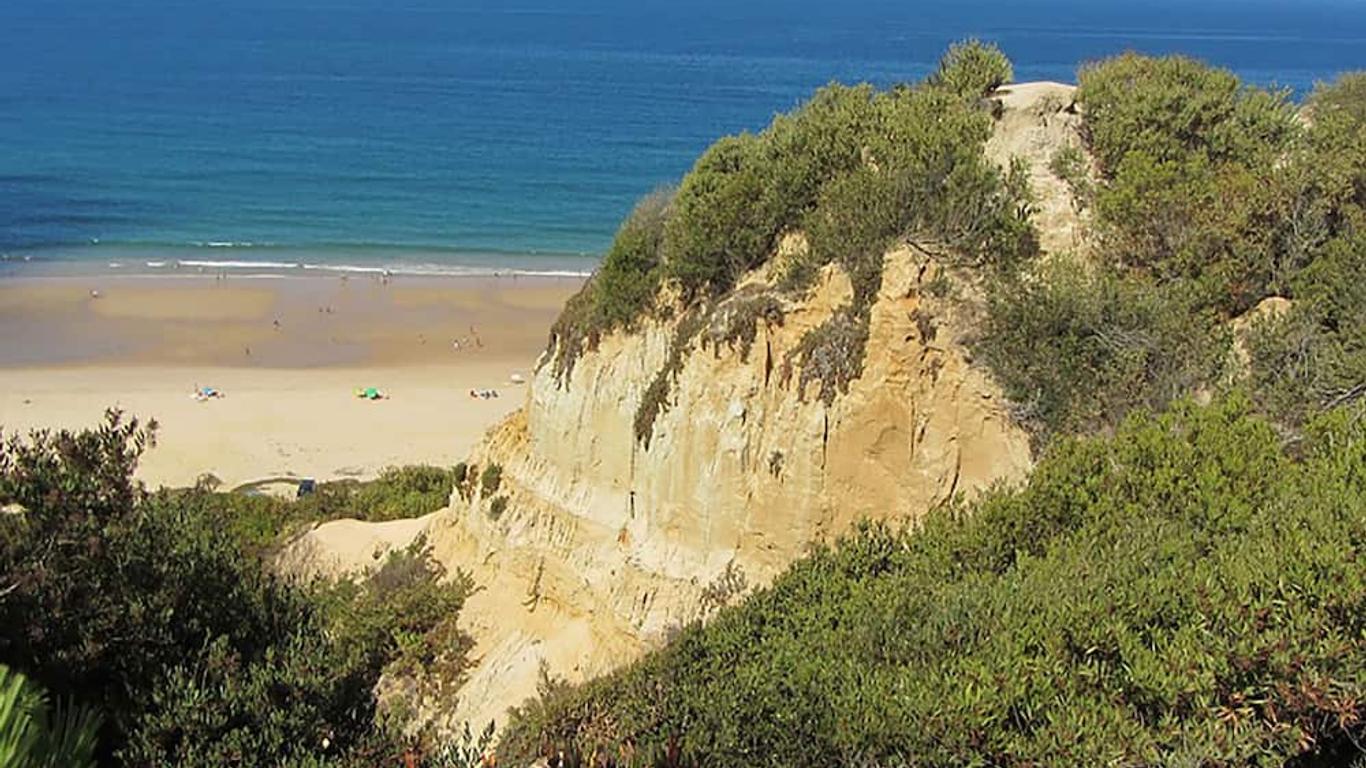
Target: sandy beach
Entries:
(287, 354)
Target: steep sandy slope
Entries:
(605, 545)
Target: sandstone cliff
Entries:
(603, 545)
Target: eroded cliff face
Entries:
(604, 544)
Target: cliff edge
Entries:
(591, 545)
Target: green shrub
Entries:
(1314, 358)
(402, 493)
(1182, 594)
(621, 292)
(466, 487)
(1340, 104)
(857, 218)
(152, 610)
(973, 69)
(628, 279)
(491, 480)
(218, 705)
(578, 329)
(403, 618)
(260, 522)
(1175, 108)
(497, 507)
(1070, 165)
(1337, 136)
(1075, 352)
(821, 140)
(1197, 183)
(1214, 190)
(720, 227)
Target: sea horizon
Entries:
(433, 138)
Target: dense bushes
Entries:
(1213, 196)
(152, 610)
(1078, 349)
(1174, 108)
(854, 168)
(1183, 593)
(723, 225)
(1315, 356)
(1193, 173)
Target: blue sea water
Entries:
(444, 135)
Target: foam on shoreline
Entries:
(134, 260)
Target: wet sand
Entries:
(273, 323)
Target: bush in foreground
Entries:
(1182, 594)
(36, 733)
(150, 609)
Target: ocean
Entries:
(440, 136)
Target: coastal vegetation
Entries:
(1211, 197)
(1183, 593)
(261, 521)
(154, 612)
(854, 169)
(1177, 584)
(1206, 197)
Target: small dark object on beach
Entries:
(306, 488)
